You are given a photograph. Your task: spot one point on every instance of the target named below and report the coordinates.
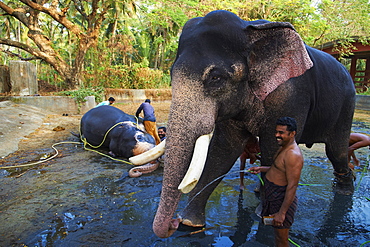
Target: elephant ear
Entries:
(277, 54)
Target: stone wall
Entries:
(23, 78)
(56, 104)
(4, 79)
(67, 105)
(138, 95)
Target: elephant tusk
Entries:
(149, 155)
(197, 163)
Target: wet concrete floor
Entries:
(82, 199)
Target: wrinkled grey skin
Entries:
(221, 81)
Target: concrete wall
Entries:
(67, 105)
(57, 104)
(4, 79)
(23, 78)
(138, 95)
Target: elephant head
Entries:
(226, 72)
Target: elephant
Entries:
(234, 78)
(108, 126)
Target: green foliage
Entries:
(344, 19)
(135, 76)
(80, 94)
(366, 92)
(48, 74)
(137, 41)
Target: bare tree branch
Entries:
(23, 46)
(80, 8)
(19, 13)
(56, 15)
(12, 54)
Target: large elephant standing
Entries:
(236, 78)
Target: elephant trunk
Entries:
(182, 132)
(174, 170)
(163, 225)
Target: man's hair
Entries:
(147, 100)
(164, 128)
(289, 122)
(111, 99)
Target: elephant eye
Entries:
(215, 78)
(140, 137)
(215, 83)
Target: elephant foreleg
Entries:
(140, 170)
(225, 147)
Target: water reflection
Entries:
(337, 221)
(249, 229)
(80, 199)
(244, 224)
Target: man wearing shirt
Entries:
(110, 101)
(149, 119)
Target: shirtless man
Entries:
(281, 180)
(356, 141)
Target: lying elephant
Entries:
(236, 78)
(123, 134)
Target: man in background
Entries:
(162, 133)
(110, 101)
(149, 119)
(356, 141)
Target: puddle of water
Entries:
(81, 199)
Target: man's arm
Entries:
(359, 144)
(293, 166)
(139, 110)
(258, 169)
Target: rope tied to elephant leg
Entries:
(343, 175)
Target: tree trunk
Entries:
(29, 16)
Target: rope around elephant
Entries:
(134, 172)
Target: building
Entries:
(358, 63)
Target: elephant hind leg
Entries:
(338, 156)
(343, 174)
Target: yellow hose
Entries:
(41, 161)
